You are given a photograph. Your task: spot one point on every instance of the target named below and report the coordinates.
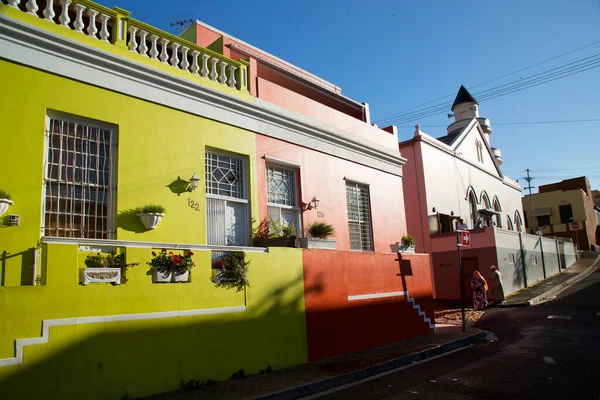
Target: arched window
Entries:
(518, 221)
(497, 217)
(473, 209)
(509, 224)
(485, 199)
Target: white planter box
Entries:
(181, 276)
(161, 275)
(150, 220)
(314, 243)
(402, 248)
(102, 275)
(4, 204)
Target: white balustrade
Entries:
(49, 10)
(204, 70)
(175, 54)
(154, 48)
(164, 56)
(213, 69)
(32, 7)
(184, 58)
(64, 16)
(104, 29)
(78, 24)
(132, 38)
(91, 29)
(222, 74)
(231, 81)
(195, 66)
(143, 48)
(14, 3)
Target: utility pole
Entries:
(529, 179)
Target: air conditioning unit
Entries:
(13, 220)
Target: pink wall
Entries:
(336, 325)
(323, 175)
(311, 108)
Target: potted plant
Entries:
(169, 267)
(150, 215)
(406, 245)
(271, 233)
(318, 234)
(107, 269)
(231, 272)
(5, 201)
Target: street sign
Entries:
(575, 225)
(465, 238)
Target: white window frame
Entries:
(227, 199)
(272, 163)
(368, 188)
(111, 204)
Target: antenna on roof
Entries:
(180, 23)
(450, 115)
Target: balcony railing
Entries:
(117, 28)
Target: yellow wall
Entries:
(156, 145)
(555, 199)
(108, 360)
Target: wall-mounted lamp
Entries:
(194, 181)
(314, 203)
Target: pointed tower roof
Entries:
(463, 96)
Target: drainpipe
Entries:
(543, 260)
(523, 258)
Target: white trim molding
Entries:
(409, 299)
(280, 162)
(40, 49)
(47, 324)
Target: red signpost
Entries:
(463, 239)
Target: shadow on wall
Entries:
(129, 221)
(117, 360)
(26, 266)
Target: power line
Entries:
(517, 123)
(492, 80)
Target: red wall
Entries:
(322, 175)
(336, 325)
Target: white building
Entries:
(458, 176)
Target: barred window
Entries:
(282, 196)
(79, 179)
(359, 217)
(227, 214)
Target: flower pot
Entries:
(4, 204)
(276, 242)
(102, 275)
(161, 275)
(222, 275)
(181, 275)
(315, 243)
(403, 248)
(150, 220)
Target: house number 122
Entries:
(194, 204)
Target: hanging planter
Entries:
(5, 202)
(169, 267)
(150, 215)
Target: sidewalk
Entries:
(546, 289)
(307, 379)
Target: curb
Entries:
(559, 288)
(331, 383)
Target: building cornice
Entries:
(47, 51)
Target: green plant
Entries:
(172, 261)
(110, 261)
(408, 240)
(150, 209)
(321, 230)
(5, 195)
(241, 374)
(189, 385)
(288, 231)
(269, 228)
(232, 271)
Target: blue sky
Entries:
(426, 51)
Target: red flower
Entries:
(191, 253)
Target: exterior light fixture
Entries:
(314, 203)
(194, 181)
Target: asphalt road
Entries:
(534, 358)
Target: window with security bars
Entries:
(282, 196)
(226, 199)
(79, 179)
(359, 217)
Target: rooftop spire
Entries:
(463, 96)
